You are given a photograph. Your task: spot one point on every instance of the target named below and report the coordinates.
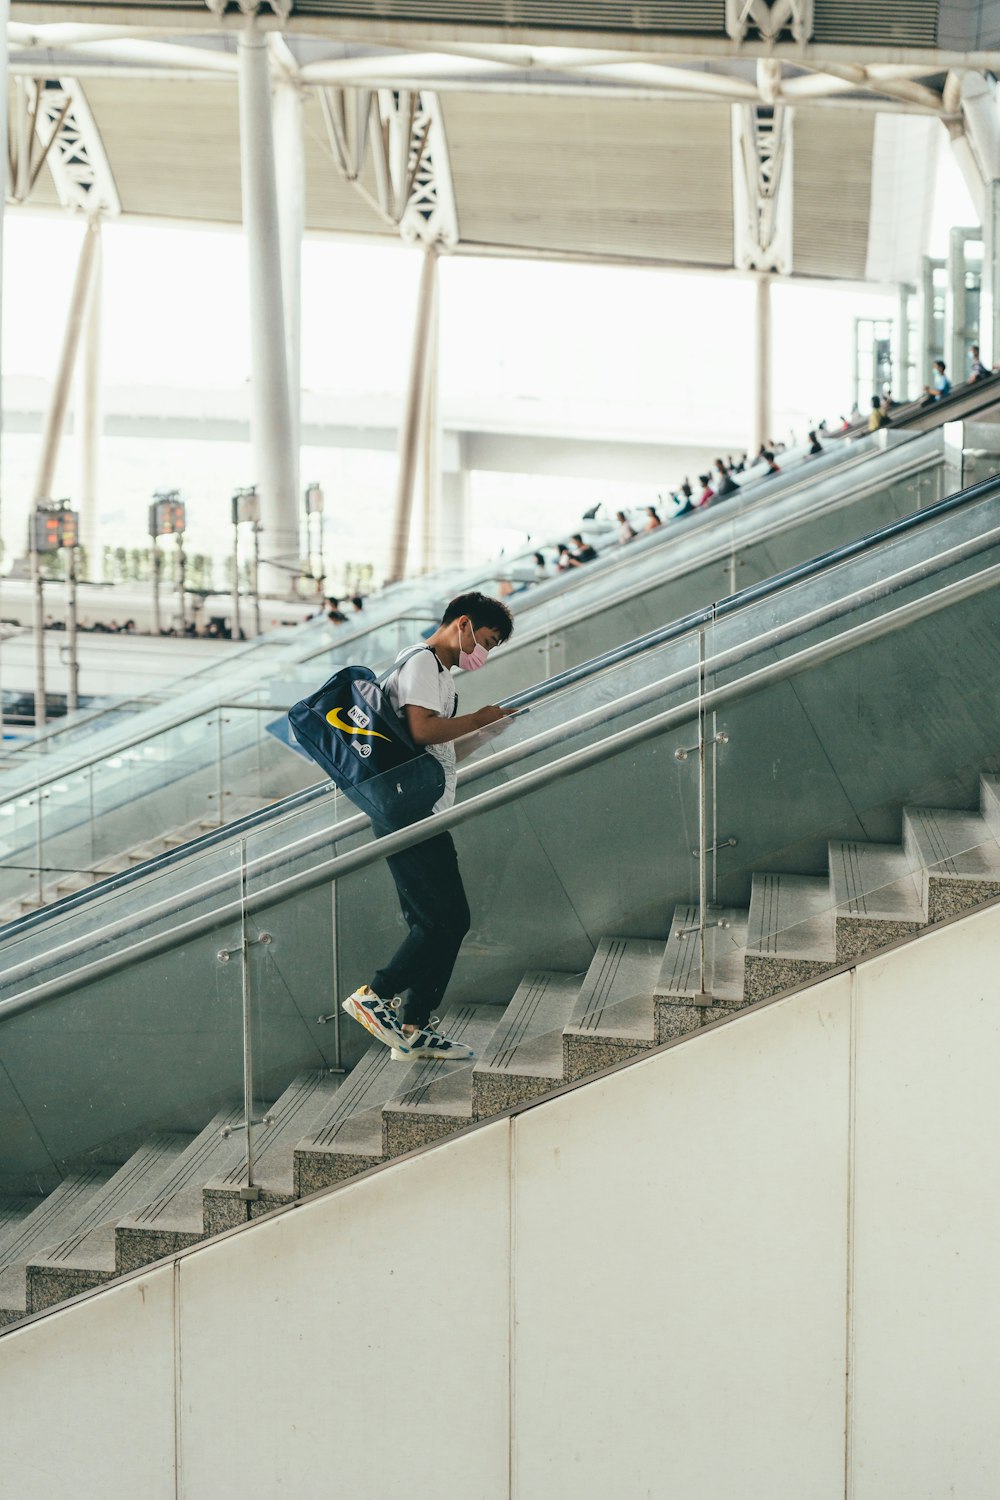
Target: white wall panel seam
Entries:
(176, 1290)
(852, 1114)
(511, 1305)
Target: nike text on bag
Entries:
(352, 731)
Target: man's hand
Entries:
(491, 714)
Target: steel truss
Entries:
(51, 124)
(765, 20)
(401, 132)
(762, 215)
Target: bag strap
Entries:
(399, 665)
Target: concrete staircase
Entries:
(636, 994)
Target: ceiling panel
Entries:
(174, 149)
(832, 171)
(596, 176)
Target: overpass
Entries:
(513, 437)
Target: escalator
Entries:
(185, 766)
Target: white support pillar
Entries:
(55, 417)
(4, 113)
(289, 142)
(901, 376)
(456, 514)
(762, 417)
(409, 432)
(88, 423)
(270, 417)
(431, 447)
(989, 301)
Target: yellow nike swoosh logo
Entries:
(333, 717)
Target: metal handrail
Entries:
(676, 630)
(341, 865)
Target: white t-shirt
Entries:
(423, 682)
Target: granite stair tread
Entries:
(989, 800)
(14, 1210)
(616, 997)
(725, 950)
(875, 881)
(792, 917)
(55, 1217)
(92, 1242)
(352, 1121)
(176, 1205)
(528, 1038)
(958, 845)
(293, 1115)
(445, 1088)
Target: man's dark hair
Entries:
(576, 537)
(940, 364)
(484, 612)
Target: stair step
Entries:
(680, 1004)
(347, 1136)
(878, 896)
(725, 948)
(989, 801)
(791, 933)
(959, 855)
(433, 1099)
(86, 1257)
(172, 1217)
(952, 843)
(307, 1098)
(524, 1057)
(55, 1217)
(13, 1211)
(613, 1017)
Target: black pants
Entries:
(436, 911)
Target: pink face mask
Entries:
(471, 661)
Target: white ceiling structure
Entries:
(715, 134)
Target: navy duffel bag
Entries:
(351, 730)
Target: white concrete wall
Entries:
(761, 1264)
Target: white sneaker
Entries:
(428, 1045)
(378, 1017)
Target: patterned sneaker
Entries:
(429, 1045)
(378, 1017)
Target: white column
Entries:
(989, 302)
(88, 423)
(955, 331)
(762, 419)
(4, 111)
(455, 513)
(55, 417)
(409, 432)
(270, 414)
(901, 375)
(431, 447)
(289, 142)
